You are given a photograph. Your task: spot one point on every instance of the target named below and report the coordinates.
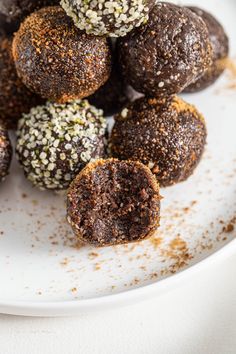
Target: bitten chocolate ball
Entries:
(168, 53)
(113, 202)
(57, 60)
(16, 10)
(111, 97)
(55, 141)
(5, 152)
(108, 18)
(220, 46)
(168, 135)
(15, 98)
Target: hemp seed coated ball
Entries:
(5, 152)
(58, 61)
(168, 53)
(106, 17)
(15, 98)
(55, 141)
(17, 10)
(220, 46)
(168, 135)
(112, 202)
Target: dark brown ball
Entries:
(113, 202)
(57, 60)
(5, 152)
(15, 98)
(168, 135)
(111, 97)
(17, 10)
(168, 53)
(220, 46)
(7, 27)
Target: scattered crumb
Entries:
(93, 255)
(97, 266)
(156, 241)
(74, 290)
(228, 228)
(65, 262)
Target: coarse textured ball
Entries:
(108, 18)
(168, 135)
(58, 61)
(113, 202)
(220, 46)
(55, 141)
(168, 53)
(17, 10)
(15, 98)
(5, 152)
(111, 97)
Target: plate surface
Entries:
(42, 272)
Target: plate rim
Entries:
(129, 296)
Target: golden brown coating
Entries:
(57, 60)
(168, 135)
(113, 202)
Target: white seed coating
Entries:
(114, 18)
(55, 141)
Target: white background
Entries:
(196, 318)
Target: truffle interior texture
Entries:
(114, 203)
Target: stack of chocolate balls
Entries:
(62, 73)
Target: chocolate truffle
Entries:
(108, 18)
(113, 202)
(15, 98)
(5, 152)
(55, 141)
(111, 97)
(7, 27)
(16, 10)
(220, 46)
(168, 135)
(58, 61)
(168, 53)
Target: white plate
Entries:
(41, 273)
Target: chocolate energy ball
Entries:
(220, 46)
(5, 152)
(15, 98)
(168, 135)
(7, 27)
(108, 18)
(111, 97)
(113, 202)
(16, 10)
(55, 141)
(58, 61)
(168, 53)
